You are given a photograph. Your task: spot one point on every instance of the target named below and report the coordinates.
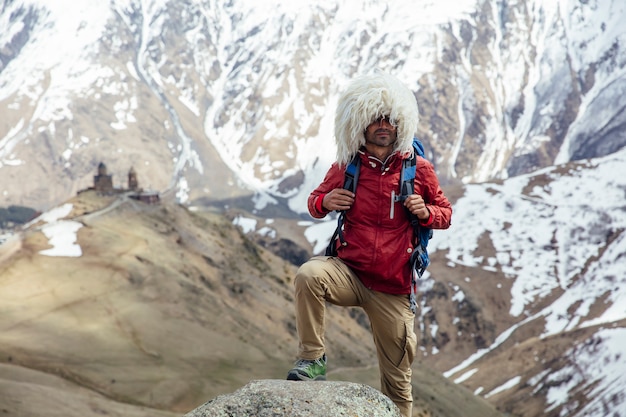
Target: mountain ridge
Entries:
(211, 108)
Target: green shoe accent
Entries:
(308, 370)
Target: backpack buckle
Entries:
(395, 199)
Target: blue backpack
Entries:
(419, 258)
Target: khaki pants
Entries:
(324, 279)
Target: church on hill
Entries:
(103, 184)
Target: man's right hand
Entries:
(338, 199)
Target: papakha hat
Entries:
(367, 98)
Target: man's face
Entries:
(381, 132)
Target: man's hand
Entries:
(338, 199)
(416, 205)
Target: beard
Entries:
(381, 137)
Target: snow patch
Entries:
(61, 234)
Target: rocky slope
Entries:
(527, 287)
(155, 310)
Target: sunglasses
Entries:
(382, 119)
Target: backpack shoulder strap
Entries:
(407, 187)
(352, 173)
(350, 181)
(408, 169)
(419, 258)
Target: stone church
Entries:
(103, 184)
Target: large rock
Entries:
(276, 398)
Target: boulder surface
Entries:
(278, 398)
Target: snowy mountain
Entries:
(553, 244)
(212, 100)
(230, 105)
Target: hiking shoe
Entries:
(308, 370)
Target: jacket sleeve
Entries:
(334, 179)
(427, 185)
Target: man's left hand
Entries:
(416, 205)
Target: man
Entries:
(377, 119)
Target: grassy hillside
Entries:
(165, 309)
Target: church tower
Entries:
(103, 182)
(133, 184)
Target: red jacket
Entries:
(378, 247)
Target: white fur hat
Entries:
(366, 99)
